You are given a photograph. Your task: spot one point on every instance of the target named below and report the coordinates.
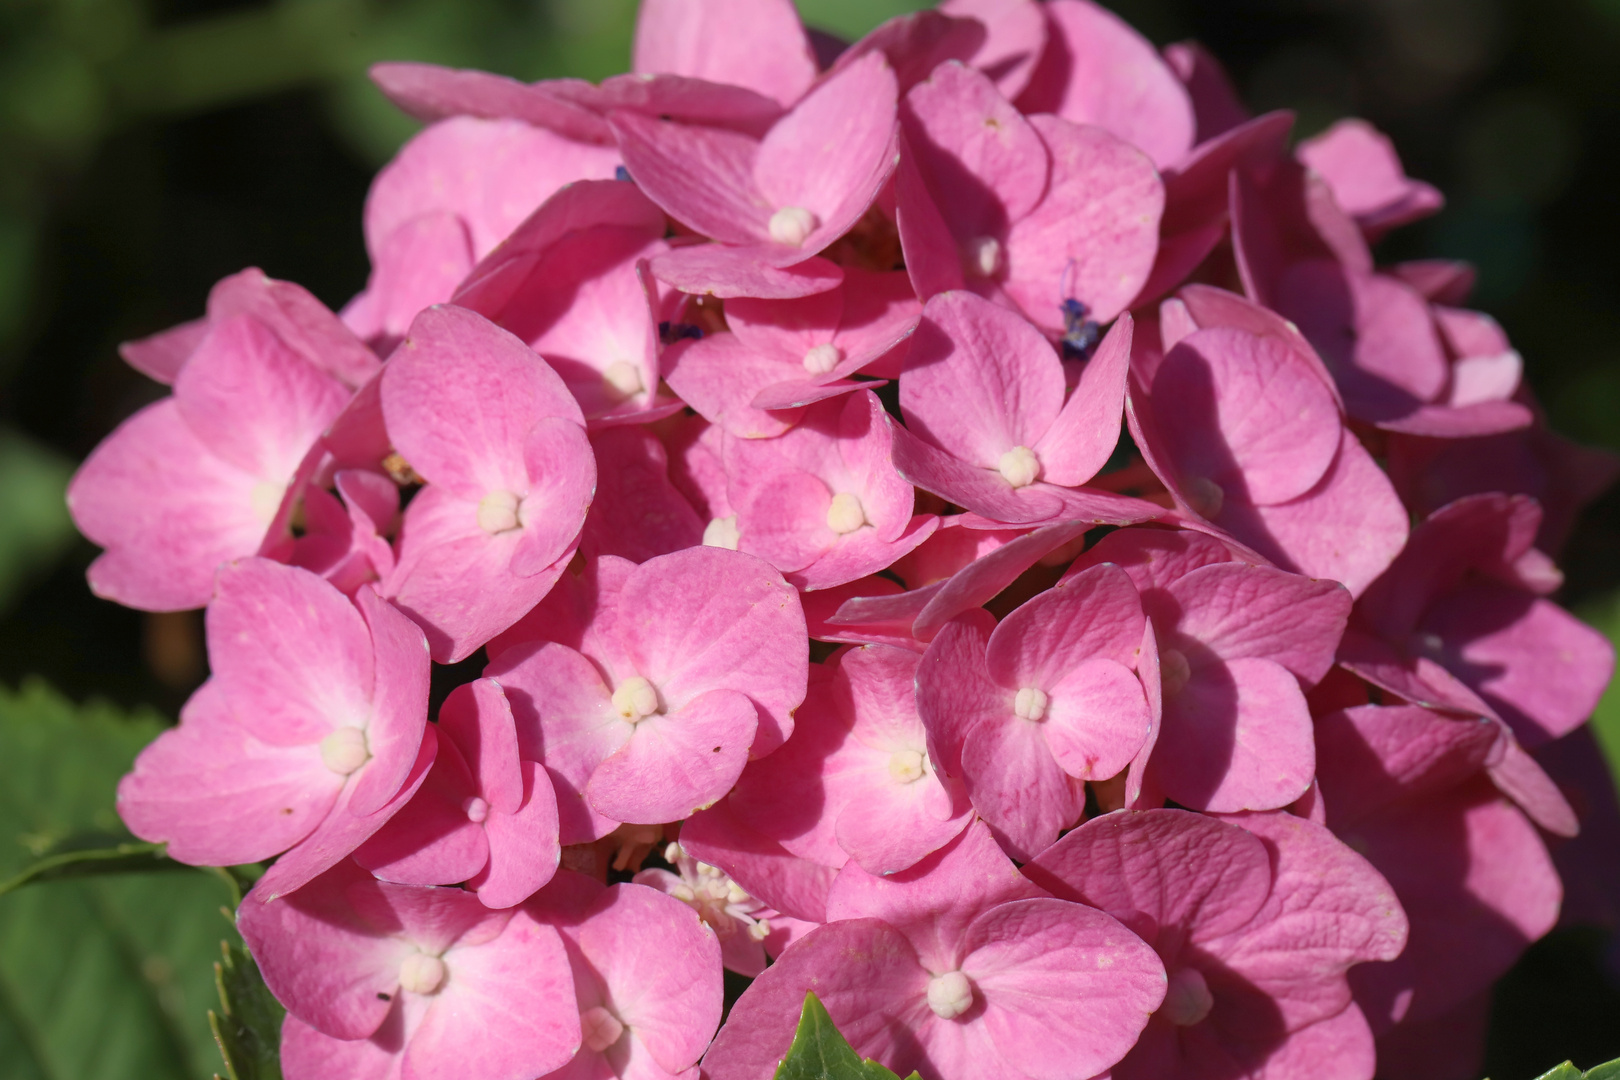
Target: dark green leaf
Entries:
(107, 977)
(819, 1052)
(129, 857)
(248, 1025)
(1608, 1071)
(1566, 1071)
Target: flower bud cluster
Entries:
(935, 516)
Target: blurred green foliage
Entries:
(34, 523)
(106, 978)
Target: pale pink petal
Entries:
(305, 1052)
(524, 849)
(677, 764)
(399, 702)
(759, 44)
(1096, 719)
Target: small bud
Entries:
(722, 533)
(1187, 1000)
(792, 225)
(599, 1029)
(476, 810)
(1205, 496)
(950, 995)
(821, 359)
(622, 380)
(635, 698)
(498, 512)
(845, 514)
(905, 766)
(345, 750)
(422, 974)
(982, 256)
(1030, 704)
(1174, 671)
(1019, 466)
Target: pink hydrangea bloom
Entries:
(509, 473)
(991, 426)
(756, 44)
(644, 1013)
(213, 472)
(307, 738)
(385, 981)
(483, 816)
(855, 780)
(345, 541)
(1025, 710)
(649, 708)
(958, 968)
(1257, 919)
(823, 503)
(1365, 175)
(1237, 645)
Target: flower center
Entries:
(1187, 1000)
(599, 1028)
(622, 380)
(845, 514)
(792, 225)
(1019, 466)
(822, 358)
(422, 974)
(1205, 496)
(950, 995)
(1174, 671)
(345, 750)
(906, 766)
(983, 256)
(266, 500)
(722, 533)
(1030, 704)
(476, 810)
(635, 699)
(498, 512)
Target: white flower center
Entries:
(1205, 496)
(822, 358)
(635, 699)
(345, 750)
(622, 380)
(1019, 466)
(498, 512)
(722, 533)
(845, 514)
(1187, 1000)
(906, 766)
(422, 974)
(1174, 671)
(983, 256)
(599, 1028)
(266, 500)
(950, 995)
(476, 810)
(1030, 704)
(792, 225)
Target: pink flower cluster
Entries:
(921, 505)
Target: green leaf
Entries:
(1604, 615)
(34, 523)
(1607, 1071)
(1566, 1071)
(106, 977)
(247, 1028)
(819, 1052)
(73, 859)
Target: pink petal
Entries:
(1052, 969)
(863, 553)
(1017, 786)
(524, 848)
(306, 1052)
(562, 481)
(1215, 100)
(430, 841)
(1237, 610)
(1097, 70)
(1097, 719)
(955, 692)
(637, 512)
(1360, 165)
(1016, 37)
(759, 45)
(980, 490)
(478, 719)
(1094, 235)
(399, 702)
(219, 797)
(1094, 614)
(302, 322)
(673, 766)
(161, 355)
(719, 377)
(430, 92)
(1078, 443)
(1237, 737)
(727, 272)
(794, 886)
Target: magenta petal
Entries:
(497, 1016)
(335, 838)
(219, 797)
(1360, 165)
(1517, 775)
(523, 845)
(1054, 969)
(984, 577)
(1098, 70)
(398, 705)
(1237, 737)
(758, 44)
(675, 765)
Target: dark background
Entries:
(148, 149)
